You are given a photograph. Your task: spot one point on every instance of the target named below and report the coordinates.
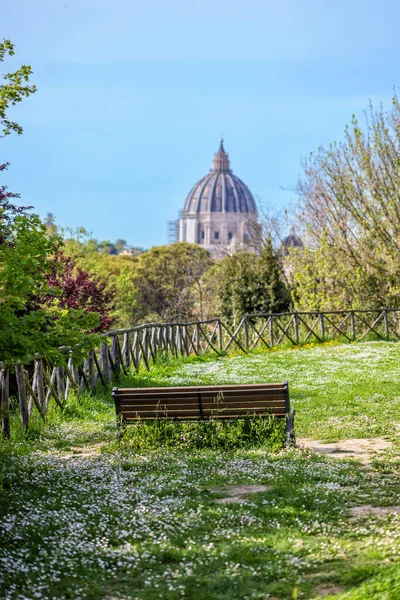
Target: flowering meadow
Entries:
(83, 516)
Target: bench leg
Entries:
(290, 436)
(121, 425)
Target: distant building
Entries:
(219, 213)
(291, 241)
(131, 252)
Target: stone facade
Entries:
(220, 212)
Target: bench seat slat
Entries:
(188, 402)
(124, 406)
(192, 417)
(206, 413)
(272, 395)
(202, 388)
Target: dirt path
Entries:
(362, 449)
(84, 451)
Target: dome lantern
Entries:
(221, 162)
(220, 190)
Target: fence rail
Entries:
(138, 347)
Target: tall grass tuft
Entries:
(227, 434)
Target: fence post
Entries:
(60, 384)
(116, 354)
(146, 347)
(170, 342)
(34, 386)
(322, 322)
(163, 338)
(296, 328)
(72, 381)
(134, 351)
(353, 325)
(50, 381)
(153, 345)
(220, 342)
(105, 363)
(91, 372)
(40, 385)
(184, 341)
(385, 320)
(126, 356)
(182, 346)
(5, 403)
(246, 333)
(271, 331)
(159, 338)
(23, 404)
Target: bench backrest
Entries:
(204, 402)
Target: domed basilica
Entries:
(220, 212)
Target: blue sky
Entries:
(133, 97)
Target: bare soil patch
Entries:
(236, 494)
(325, 590)
(83, 451)
(361, 449)
(358, 512)
(230, 500)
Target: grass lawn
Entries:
(85, 517)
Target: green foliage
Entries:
(14, 90)
(350, 207)
(163, 283)
(382, 586)
(117, 270)
(168, 282)
(246, 283)
(249, 432)
(321, 280)
(27, 325)
(180, 281)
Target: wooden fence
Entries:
(138, 347)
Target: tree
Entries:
(120, 245)
(50, 223)
(274, 295)
(14, 90)
(78, 289)
(350, 211)
(117, 271)
(107, 248)
(31, 318)
(8, 210)
(168, 282)
(245, 283)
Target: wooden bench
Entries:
(204, 402)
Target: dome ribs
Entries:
(211, 195)
(235, 195)
(248, 196)
(203, 181)
(223, 195)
